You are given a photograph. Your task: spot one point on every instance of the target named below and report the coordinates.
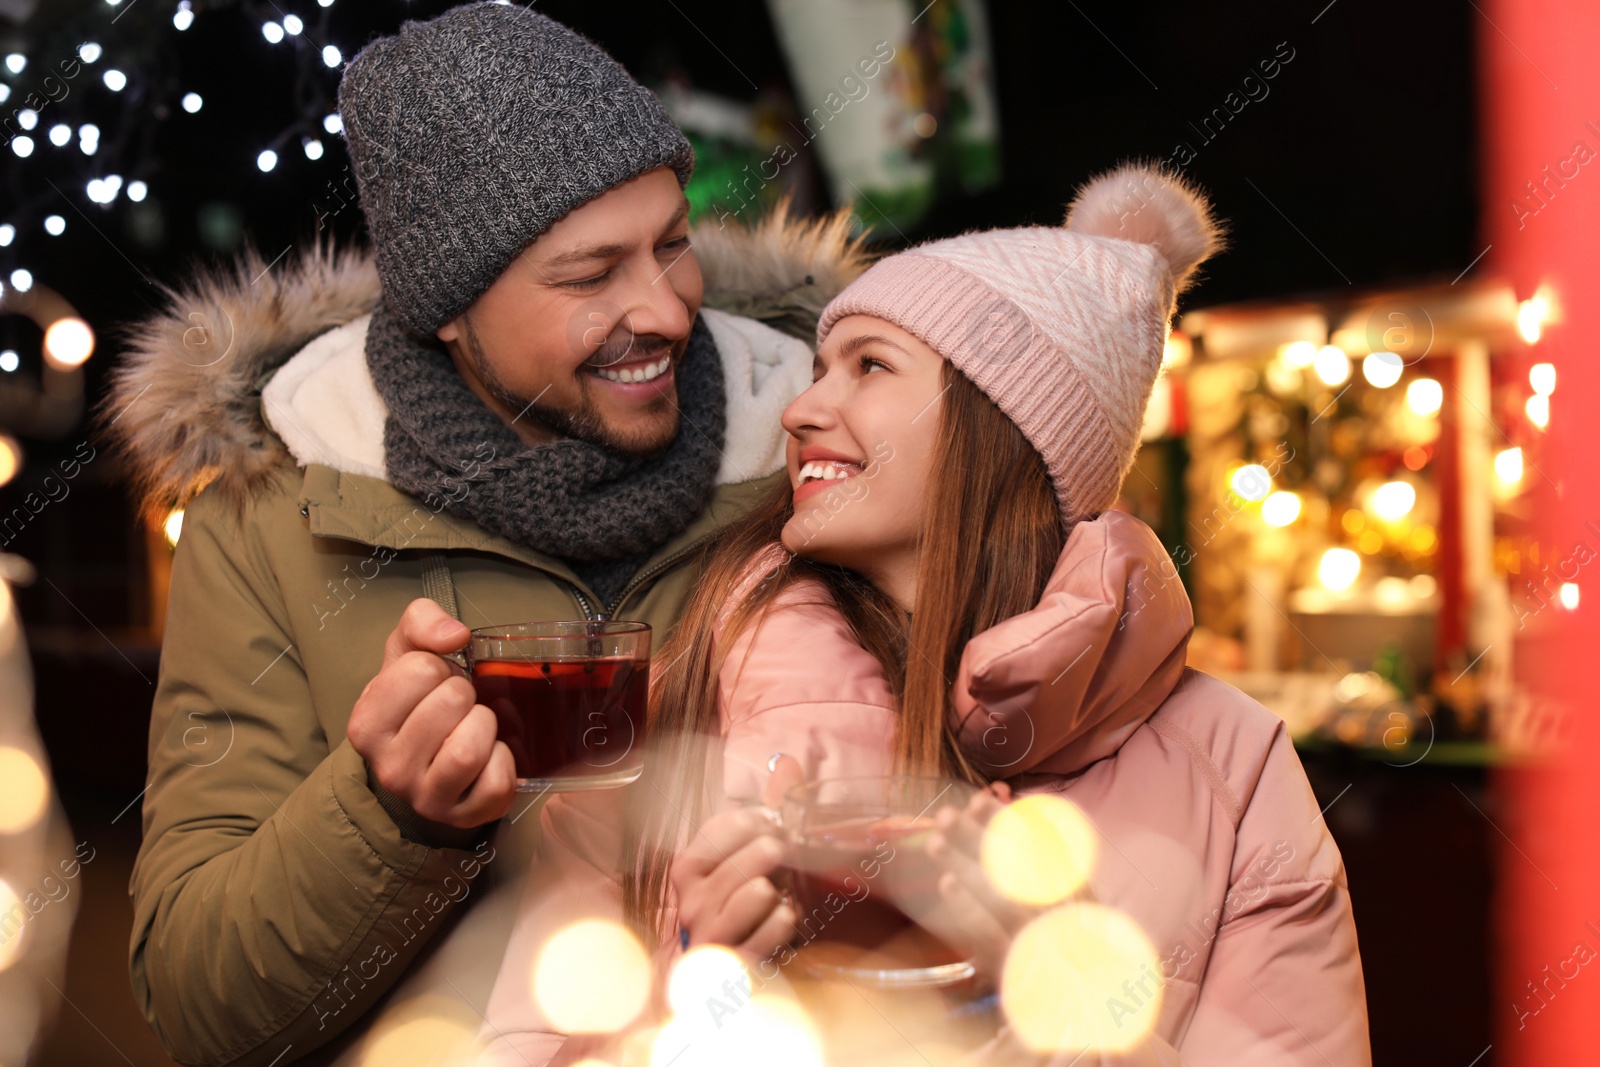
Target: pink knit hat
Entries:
(1062, 328)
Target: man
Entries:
(523, 414)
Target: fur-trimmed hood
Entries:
(184, 407)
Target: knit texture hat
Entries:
(1063, 328)
(473, 132)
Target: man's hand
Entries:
(424, 737)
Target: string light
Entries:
(183, 18)
(313, 148)
(60, 134)
(16, 62)
(27, 119)
(324, 3)
(332, 56)
(267, 160)
(9, 361)
(333, 124)
(22, 145)
(192, 102)
(21, 280)
(89, 52)
(272, 32)
(115, 80)
(137, 191)
(55, 225)
(104, 190)
(89, 138)
(1542, 376)
(292, 25)
(5, 92)
(8, 233)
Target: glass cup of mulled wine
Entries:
(859, 875)
(569, 698)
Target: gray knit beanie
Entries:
(473, 132)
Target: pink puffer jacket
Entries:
(1215, 844)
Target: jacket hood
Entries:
(184, 408)
(1056, 688)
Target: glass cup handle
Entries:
(461, 657)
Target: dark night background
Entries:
(1358, 168)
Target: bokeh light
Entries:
(702, 974)
(1177, 351)
(591, 977)
(68, 342)
(11, 937)
(1332, 365)
(10, 458)
(767, 1031)
(1038, 850)
(1081, 977)
(1338, 568)
(1532, 314)
(1251, 482)
(1298, 353)
(24, 792)
(1393, 501)
(1281, 508)
(427, 1032)
(1508, 465)
(1382, 369)
(1538, 410)
(1424, 396)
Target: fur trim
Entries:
(782, 271)
(184, 404)
(1151, 205)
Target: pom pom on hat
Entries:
(1150, 205)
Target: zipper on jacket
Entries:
(645, 575)
(583, 602)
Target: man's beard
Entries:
(584, 423)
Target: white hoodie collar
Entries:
(322, 402)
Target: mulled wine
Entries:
(569, 706)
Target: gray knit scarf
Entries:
(600, 512)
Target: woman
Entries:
(947, 550)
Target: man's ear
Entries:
(448, 332)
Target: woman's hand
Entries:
(973, 916)
(722, 879)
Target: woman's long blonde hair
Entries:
(991, 535)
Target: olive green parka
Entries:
(281, 914)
